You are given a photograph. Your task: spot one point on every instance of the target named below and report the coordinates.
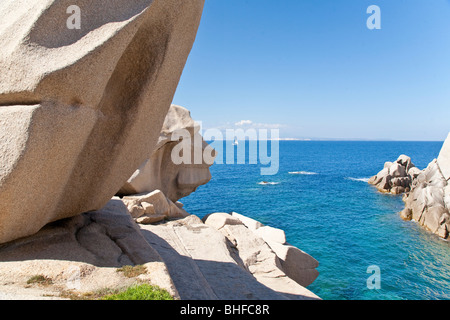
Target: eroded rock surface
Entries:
(265, 252)
(176, 178)
(220, 259)
(153, 207)
(427, 192)
(79, 109)
(396, 177)
(81, 255)
(206, 265)
(428, 203)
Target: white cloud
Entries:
(243, 122)
(246, 124)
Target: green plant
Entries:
(140, 292)
(40, 279)
(132, 271)
(74, 295)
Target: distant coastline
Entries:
(332, 140)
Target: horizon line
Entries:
(330, 140)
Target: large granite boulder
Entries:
(80, 108)
(165, 170)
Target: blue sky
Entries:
(313, 69)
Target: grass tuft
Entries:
(132, 271)
(40, 279)
(140, 292)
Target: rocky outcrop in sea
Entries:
(396, 177)
(426, 193)
(428, 202)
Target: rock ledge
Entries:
(218, 259)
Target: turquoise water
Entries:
(338, 218)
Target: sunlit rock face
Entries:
(428, 203)
(444, 159)
(80, 108)
(178, 164)
(396, 177)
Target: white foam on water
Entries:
(268, 183)
(359, 179)
(303, 173)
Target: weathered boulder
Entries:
(152, 207)
(396, 176)
(80, 108)
(161, 171)
(297, 264)
(250, 223)
(206, 265)
(397, 170)
(219, 220)
(271, 234)
(264, 251)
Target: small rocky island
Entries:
(426, 193)
(87, 187)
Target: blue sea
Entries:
(328, 210)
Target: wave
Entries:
(303, 173)
(359, 179)
(268, 183)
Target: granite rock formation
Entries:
(153, 207)
(428, 203)
(179, 178)
(264, 251)
(232, 263)
(426, 193)
(80, 108)
(396, 177)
